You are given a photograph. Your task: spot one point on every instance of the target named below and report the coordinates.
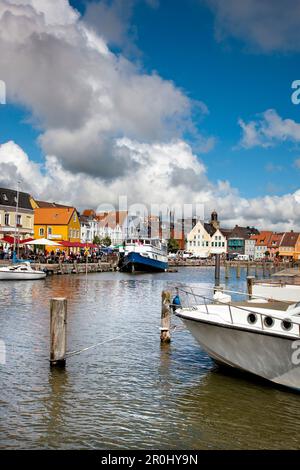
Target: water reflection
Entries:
(130, 392)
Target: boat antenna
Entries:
(16, 223)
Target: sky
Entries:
(164, 101)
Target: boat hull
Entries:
(11, 276)
(268, 356)
(135, 262)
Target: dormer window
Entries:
(5, 197)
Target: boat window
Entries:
(286, 324)
(269, 321)
(252, 318)
(147, 242)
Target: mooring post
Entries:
(248, 268)
(256, 270)
(58, 331)
(238, 271)
(165, 335)
(217, 269)
(264, 269)
(226, 270)
(250, 280)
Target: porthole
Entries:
(268, 321)
(286, 324)
(252, 318)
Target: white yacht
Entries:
(256, 336)
(21, 272)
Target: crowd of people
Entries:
(57, 256)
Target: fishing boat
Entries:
(256, 336)
(145, 254)
(20, 272)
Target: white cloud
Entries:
(265, 25)
(268, 130)
(165, 173)
(82, 96)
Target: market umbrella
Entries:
(43, 241)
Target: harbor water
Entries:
(129, 392)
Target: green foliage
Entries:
(106, 241)
(173, 245)
(97, 240)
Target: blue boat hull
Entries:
(135, 262)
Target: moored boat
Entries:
(21, 272)
(256, 336)
(145, 255)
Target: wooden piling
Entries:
(264, 269)
(250, 280)
(227, 270)
(58, 331)
(256, 270)
(217, 269)
(165, 335)
(238, 271)
(248, 268)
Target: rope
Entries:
(74, 353)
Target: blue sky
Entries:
(235, 61)
(176, 39)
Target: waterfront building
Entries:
(250, 247)
(57, 224)
(199, 241)
(89, 226)
(262, 243)
(21, 221)
(287, 247)
(237, 237)
(274, 244)
(113, 225)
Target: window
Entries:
(41, 232)
(6, 219)
(49, 230)
(212, 243)
(18, 219)
(206, 243)
(74, 217)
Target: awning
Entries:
(10, 240)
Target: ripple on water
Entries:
(131, 392)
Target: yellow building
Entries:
(57, 224)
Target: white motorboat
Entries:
(277, 290)
(22, 271)
(256, 336)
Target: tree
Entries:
(96, 240)
(106, 241)
(267, 254)
(173, 245)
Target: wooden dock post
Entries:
(248, 268)
(256, 270)
(165, 335)
(264, 269)
(217, 269)
(58, 331)
(250, 280)
(238, 271)
(227, 268)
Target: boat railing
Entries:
(207, 302)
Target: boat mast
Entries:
(16, 223)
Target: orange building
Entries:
(57, 224)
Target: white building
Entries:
(218, 243)
(199, 241)
(250, 248)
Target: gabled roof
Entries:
(263, 239)
(45, 204)
(243, 232)
(53, 215)
(8, 197)
(112, 219)
(289, 239)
